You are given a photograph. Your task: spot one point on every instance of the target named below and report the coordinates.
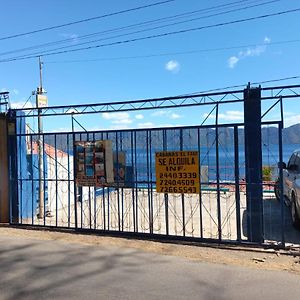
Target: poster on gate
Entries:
(94, 163)
(177, 172)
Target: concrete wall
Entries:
(4, 199)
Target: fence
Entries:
(218, 213)
(225, 209)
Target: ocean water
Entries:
(145, 163)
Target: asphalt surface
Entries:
(43, 269)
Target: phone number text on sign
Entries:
(177, 172)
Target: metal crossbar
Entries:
(225, 97)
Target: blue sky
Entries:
(97, 76)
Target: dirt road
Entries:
(266, 260)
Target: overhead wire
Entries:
(154, 28)
(240, 85)
(35, 55)
(276, 80)
(85, 20)
(120, 29)
(176, 53)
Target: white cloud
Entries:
(3, 90)
(172, 66)
(115, 116)
(288, 113)
(250, 52)
(257, 51)
(232, 61)
(16, 92)
(21, 104)
(72, 36)
(139, 116)
(291, 119)
(159, 113)
(230, 115)
(122, 121)
(174, 116)
(167, 114)
(146, 125)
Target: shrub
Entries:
(266, 173)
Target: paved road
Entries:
(37, 269)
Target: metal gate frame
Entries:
(251, 97)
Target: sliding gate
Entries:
(236, 201)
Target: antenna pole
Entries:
(40, 147)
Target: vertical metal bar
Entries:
(237, 183)
(148, 179)
(132, 190)
(103, 197)
(122, 185)
(89, 198)
(108, 200)
(32, 183)
(80, 193)
(218, 176)
(281, 112)
(118, 179)
(95, 199)
(207, 155)
(20, 181)
(166, 196)
(69, 186)
(281, 185)
(74, 175)
(41, 164)
(44, 177)
(200, 194)
(182, 195)
(151, 182)
(56, 183)
(136, 184)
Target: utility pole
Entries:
(40, 147)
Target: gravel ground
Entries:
(256, 258)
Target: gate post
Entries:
(253, 157)
(13, 167)
(4, 181)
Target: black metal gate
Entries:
(236, 204)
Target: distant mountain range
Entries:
(291, 135)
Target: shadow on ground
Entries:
(49, 269)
